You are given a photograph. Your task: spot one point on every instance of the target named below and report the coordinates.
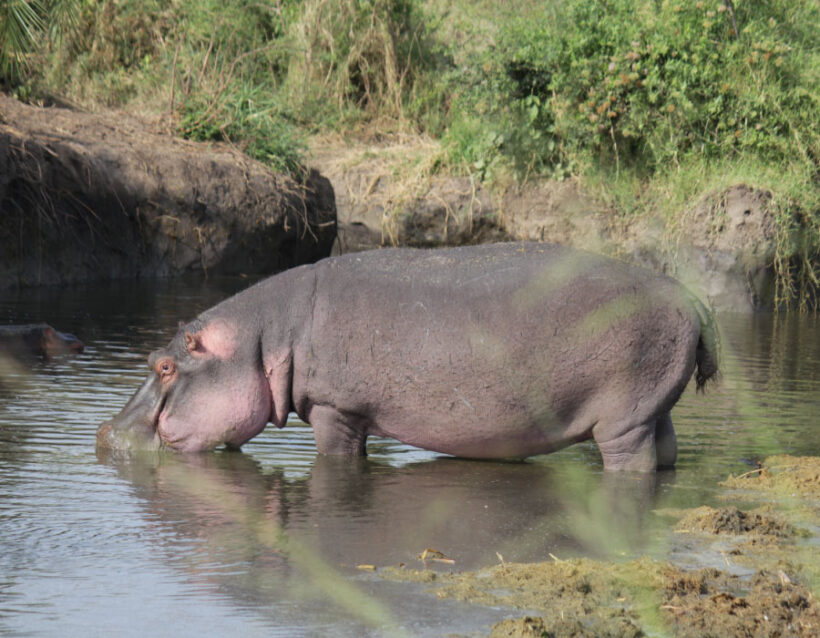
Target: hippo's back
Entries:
(487, 266)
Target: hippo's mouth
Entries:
(164, 438)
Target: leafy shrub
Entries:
(247, 72)
(655, 103)
(228, 67)
(644, 84)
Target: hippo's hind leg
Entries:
(666, 442)
(644, 447)
(337, 433)
(632, 448)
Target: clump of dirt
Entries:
(738, 221)
(583, 597)
(782, 476)
(731, 520)
(711, 603)
(577, 587)
(537, 627)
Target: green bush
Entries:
(655, 103)
(247, 116)
(214, 67)
(643, 84)
(256, 74)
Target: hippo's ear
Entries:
(192, 344)
(218, 339)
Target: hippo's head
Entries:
(206, 389)
(52, 343)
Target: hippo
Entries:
(38, 340)
(497, 351)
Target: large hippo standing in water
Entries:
(494, 351)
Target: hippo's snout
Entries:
(134, 428)
(111, 436)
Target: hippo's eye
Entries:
(165, 368)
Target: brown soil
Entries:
(710, 603)
(90, 196)
(782, 476)
(583, 597)
(387, 194)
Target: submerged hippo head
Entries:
(207, 388)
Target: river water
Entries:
(275, 541)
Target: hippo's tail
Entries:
(706, 354)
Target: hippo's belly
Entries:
(486, 427)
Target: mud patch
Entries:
(537, 627)
(583, 597)
(731, 520)
(782, 476)
(711, 603)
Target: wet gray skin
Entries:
(495, 351)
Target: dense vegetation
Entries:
(652, 102)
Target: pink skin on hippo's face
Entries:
(204, 391)
(215, 396)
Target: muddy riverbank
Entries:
(731, 571)
(102, 196)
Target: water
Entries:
(268, 542)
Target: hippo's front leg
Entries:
(337, 433)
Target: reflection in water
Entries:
(258, 536)
(266, 542)
(355, 511)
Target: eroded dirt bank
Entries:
(104, 196)
(765, 584)
(387, 193)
